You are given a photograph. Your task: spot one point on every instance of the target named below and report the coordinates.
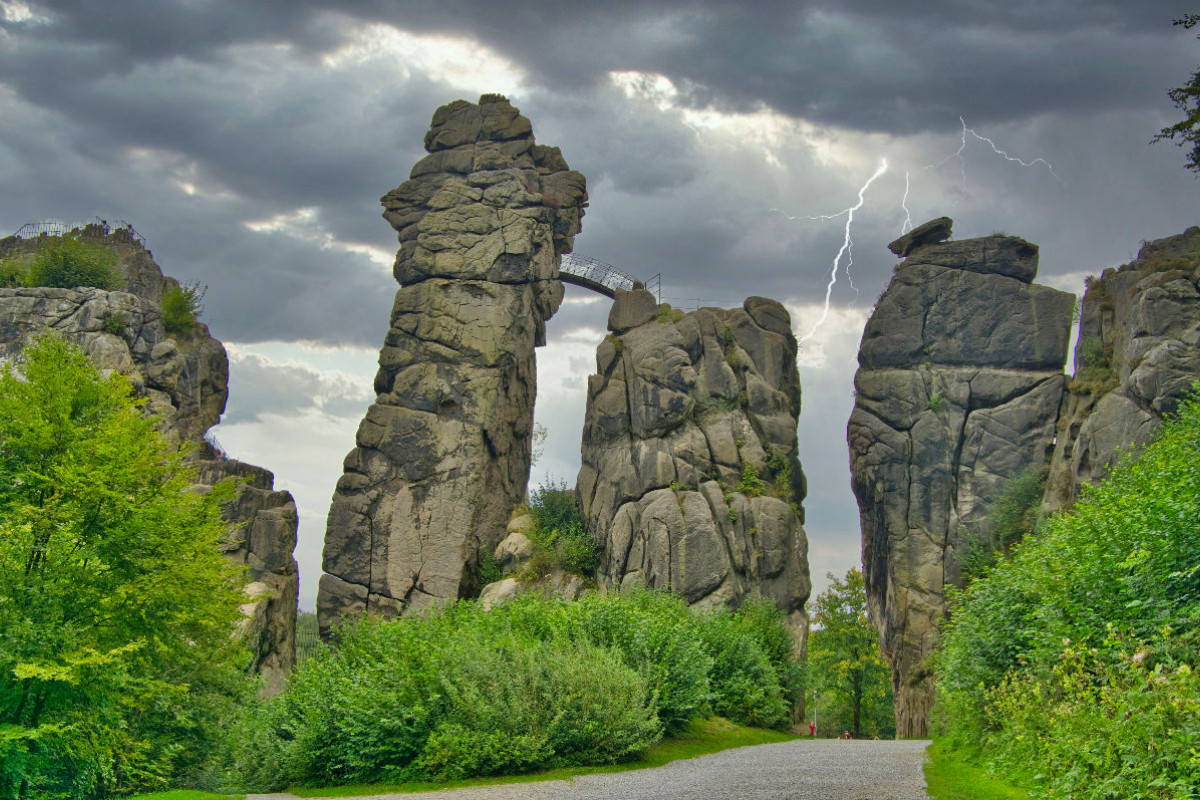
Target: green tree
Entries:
(1187, 98)
(844, 658)
(117, 610)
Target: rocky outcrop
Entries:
(264, 536)
(184, 379)
(443, 455)
(1137, 355)
(958, 390)
(690, 478)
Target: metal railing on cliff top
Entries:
(54, 228)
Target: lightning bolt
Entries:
(962, 162)
(847, 243)
(907, 225)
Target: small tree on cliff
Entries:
(844, 659)
(117, 609)
(1187, 99)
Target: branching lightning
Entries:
(847, 243)
(846, 251)
(962, 162)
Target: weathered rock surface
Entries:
(958, 391)
(443, 455)
(184, 378)
(263, 540)
(1137, 356)
(690, 476)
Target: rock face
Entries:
(184, 378)
(958, 390)
(690, 476)
(443, 455)
(1137, 356)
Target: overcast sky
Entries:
(250, 142)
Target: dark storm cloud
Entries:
(870, 64)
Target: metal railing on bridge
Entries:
(598, 276)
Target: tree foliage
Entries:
(1186, 133)
(117, 610)
(844, 658)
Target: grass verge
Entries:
(950, 778)
(701, 738)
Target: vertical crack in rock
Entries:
(443, 455)
(958, 391)
(1137, 355)
(184, 379)
(690, 478)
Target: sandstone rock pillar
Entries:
(443, 455)
(958, 390)
(690, 475)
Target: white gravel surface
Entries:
(805, 769)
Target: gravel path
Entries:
(824, 769)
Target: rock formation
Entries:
(1137, 355)
(184, 378)
(958, 390)
(443, 455)
(690, 477)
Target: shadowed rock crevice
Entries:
(443, 455)
(958, 390)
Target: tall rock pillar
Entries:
(443, 455)
(690, 476)
(958, 390)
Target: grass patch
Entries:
(701, 737)
(950, 778)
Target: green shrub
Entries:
(451, 694)
(1076, 655)
(70, 263)
(1014, 516)
(1092, 352)
(114, 324)
(668, 314)
(558, 536)
(181, 305)
(750, 484)
(745, 686)
(654, 633)
(13, 273)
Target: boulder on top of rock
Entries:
(630, 309)
(932, 232)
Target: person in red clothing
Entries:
(812, 729)
(846, 735)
